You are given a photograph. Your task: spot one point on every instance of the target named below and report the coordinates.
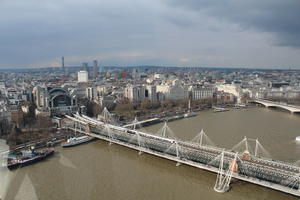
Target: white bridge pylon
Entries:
(175, 148)
(202, 139)
(244, 146)
(138, 139)
(166, 132)
(109, 133)
(224, 177)
(106, 116)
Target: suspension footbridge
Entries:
(228, 164)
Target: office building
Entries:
(83, 76)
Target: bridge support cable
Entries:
(216, 160)
(245, 148)
(238, 145)
(166, 132)
(175, 150)
(246, 143)
(91, 120)
(202, 139)
(256, 148)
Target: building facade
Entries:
(55, 101)
(83, 76)
(202, 93)
(138, 93)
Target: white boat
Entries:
(76, 141)
(239, 106)
(189, 113)
(298, 138)
(220, 109)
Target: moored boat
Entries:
(190, 114)
(76, 141)
(240, 106)
(28, 158)
(219, 109)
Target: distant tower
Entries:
(96, 69)
(101, 69)
(135, 74)
(63, 64)
(85, 66)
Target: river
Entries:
(98, 170)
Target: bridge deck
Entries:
(141, 122)
(177, 159)
(289, 107)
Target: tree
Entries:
(146, 105)
(30, 118)
(93, 109)
(124, 107)
(5, 127)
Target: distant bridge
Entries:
(139, 123)
(291, 108)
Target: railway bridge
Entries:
(239, 162)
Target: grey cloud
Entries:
(123, 32)
(281, 18)
(53, 28)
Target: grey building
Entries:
(54, 101)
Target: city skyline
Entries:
(161, 33)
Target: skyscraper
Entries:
(101, 69)
(135, 73)
(85, 66)
(96, 69)
(63, 64)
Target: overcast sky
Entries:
(213, 33)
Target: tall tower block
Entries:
(85, 66)
(63, 64)
(96, 69)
